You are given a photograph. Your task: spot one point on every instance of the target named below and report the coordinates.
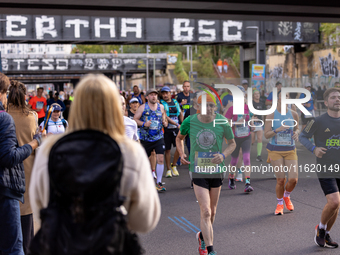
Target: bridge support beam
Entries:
(124, 87)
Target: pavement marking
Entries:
(190, 223)
(185, 225)
(178, 224)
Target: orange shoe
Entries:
(279, 210)
(288, 203)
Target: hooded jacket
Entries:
(12, 175)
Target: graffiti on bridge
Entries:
(329, 66)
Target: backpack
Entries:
(85, 213)
(62, 120)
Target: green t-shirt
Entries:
(206, 140)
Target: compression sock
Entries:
(322, 226)
(286, 194)
(201, 236)
(280, 201)
(159, 171)
(259, 149)
(247, 179)
(210, 249)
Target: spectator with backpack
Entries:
(54, 124)
(91, 188)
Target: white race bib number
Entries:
(172, 126)
(241, 131)
(284, 137)
(203, 162)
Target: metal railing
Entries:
(81, 55)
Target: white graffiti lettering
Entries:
(49, 64)
(10, 26)
(41, 30)
(136, 28)
(76, 23)
(110, 26)
(62, 67)
(285, 28)
(182, 30)
(130, 61)
(329, 66)
(211, 32)
(297, 32)
(4, 64)
(89, 64)
(227, 36)
(117, 62)
(75, 62)
(31, 63)
(103, 63)
(18, 61)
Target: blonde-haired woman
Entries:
(103, 114)
(26, 124)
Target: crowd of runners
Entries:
(160, 120)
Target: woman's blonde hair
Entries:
(97, 105)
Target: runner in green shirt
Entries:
(207, 134)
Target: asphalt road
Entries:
(245, 223)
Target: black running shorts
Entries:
(209, 183)
(170, 138)
(158, 146)
(329, 185)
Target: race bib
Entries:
(312, 112)
(241, 131)
(172, 126)
(284, 137)
(154, 125)
(39, 105)
(203, 162)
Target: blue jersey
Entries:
(154, 132)
(139, 97)
(283, 138)
(311, 101)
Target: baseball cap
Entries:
(165, 88)
(244, 82)
(307, 85)
(133, 100)
(151, 91)
(56, 107)
(242, 89)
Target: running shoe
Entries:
(259, 159)
(160, 187)
(174, 171)
(329, 243)
(239, 177)
(202, 250)
(288, 203)
(168, 174)
(154, 175)
(248, 188)
(232, 184)
(320, 235)
(279, 210)
(212, 253)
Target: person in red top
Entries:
(39, 104)
(225, 65)
(219, 65)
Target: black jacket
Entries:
(12, 175)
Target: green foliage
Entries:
(329, 30)
(179, 69)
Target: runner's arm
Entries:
(180, 147)
(164, 117)
(268, 131)
(231, 147)
(138, 115)
(143, 98)
(307, 133)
